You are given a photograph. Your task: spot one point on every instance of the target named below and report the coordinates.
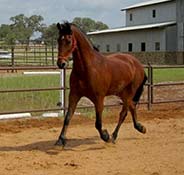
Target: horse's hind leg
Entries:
(122, 117)
(137, 125)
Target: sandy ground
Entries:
(27, 146)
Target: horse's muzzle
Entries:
(62, 64)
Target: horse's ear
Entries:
(59, 26)
(67, 27)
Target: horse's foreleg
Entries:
(73, 100)
(98, 124)
(137, 125)
(122, 117)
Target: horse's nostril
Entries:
(61, 65)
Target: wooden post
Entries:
(52, 52)
(12, 58)
(65, 89)
(149, 86)
(46, 62)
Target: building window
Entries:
(130, 47)
(131, 17)
(157, 46)
(108, 48)
(143, 47)
(118, 47)
(154, 13)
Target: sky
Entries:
(53, 11)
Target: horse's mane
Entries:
(66, 30)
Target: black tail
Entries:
(140, 90)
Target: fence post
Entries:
(152, 85)
(12, 58)
(46, 62)
(52, 52)
(65, 104)
(149, 86)
(26, 49)
(34, 52)
(62, 100)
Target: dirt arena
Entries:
(27, 146)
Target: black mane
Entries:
(65, 28)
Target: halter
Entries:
(74, 46)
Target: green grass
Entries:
(12, 81)
(48, 99)
(13, 101)
(167, 75)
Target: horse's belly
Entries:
(116, 88)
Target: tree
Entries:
(6, 34)
(4, 30)
(88, 24)
(50, 34)
(24, 27)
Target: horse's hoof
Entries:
(105, 135)
(140, 128)
(143, 130)
(60, 142)
(113, 138)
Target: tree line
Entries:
(22, 28)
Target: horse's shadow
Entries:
(49, 146)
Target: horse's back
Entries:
(126, 67)
(125, 61)
(125, 58)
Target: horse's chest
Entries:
(82, 85)
(87, 89)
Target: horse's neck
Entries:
(83, 56)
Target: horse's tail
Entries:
(140, 90)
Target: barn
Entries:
(152, 26)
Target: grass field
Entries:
(49, 99)
(167, 75)
(28, 100)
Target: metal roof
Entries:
(139, 27)
(147, 3)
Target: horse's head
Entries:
(66, 44)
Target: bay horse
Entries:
(96, 76)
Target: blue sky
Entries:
(53, 11)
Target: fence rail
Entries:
(34, 54)
(149, 96)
